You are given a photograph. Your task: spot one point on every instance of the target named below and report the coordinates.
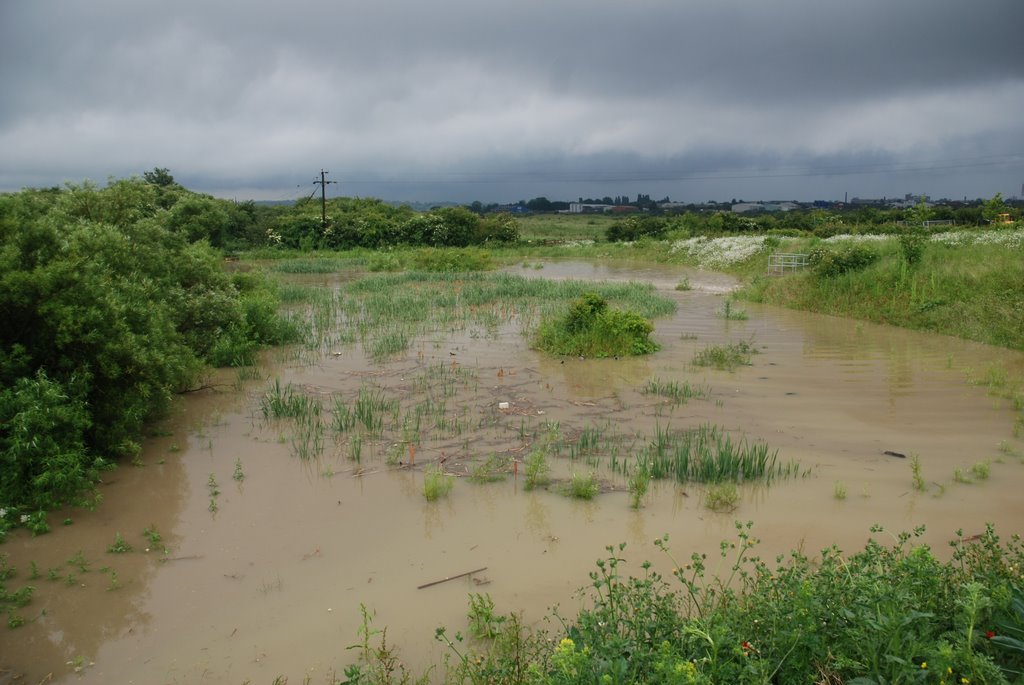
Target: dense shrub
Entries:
(497, 228)
(108, 311)
(829, 262)
(635, 227)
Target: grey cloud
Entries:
(410, 92)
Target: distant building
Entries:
(584, 208)
(741, 207)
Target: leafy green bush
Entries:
(827, 262)
(591, 329)
(497, 228)
(109, 310)
(636, 227)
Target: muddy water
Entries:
(271, 581)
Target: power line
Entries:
(323, 196)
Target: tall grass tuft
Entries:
(436, 483)
(582, 487)
(707, 454)
(678, 393)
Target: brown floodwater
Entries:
(271, 582)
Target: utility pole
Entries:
(323, 197)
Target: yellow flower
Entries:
(924, 664)
(965, 680)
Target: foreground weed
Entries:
(238, 475)
(839, 491)
(436, 483)
(483, 623)
(378, 664)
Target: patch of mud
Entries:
(265, 574)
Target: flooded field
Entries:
(267, 532)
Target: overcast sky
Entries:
(501, 101)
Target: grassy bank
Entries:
(972, 290)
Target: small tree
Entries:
(993, 208)
(920, 213)
(158, 177)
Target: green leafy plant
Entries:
(536, 470)
(119, 546)
(483, 623)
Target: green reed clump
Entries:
(582, 486)
(536, 470)
(310, 266)
(638, 483)
(436, 483)
(307, 439)
(707, 454)
(678, 393)
(725, 357)
(287, 402)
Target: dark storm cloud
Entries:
(502, 100)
